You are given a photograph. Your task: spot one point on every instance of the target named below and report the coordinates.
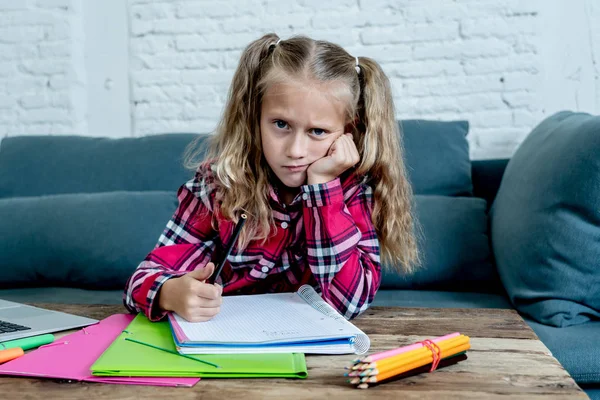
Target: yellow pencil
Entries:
(412, 353)
(409, 358)
(447, 344)
(393, 367)
(409, 367)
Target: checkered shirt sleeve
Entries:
(186, 243)
(342, 245)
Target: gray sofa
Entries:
(77, 214)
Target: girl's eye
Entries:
(318, 132)
(281, 124)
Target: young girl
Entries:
(308, 148)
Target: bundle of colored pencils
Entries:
(423, 356)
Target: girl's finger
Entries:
(333, 147)
(348, 154)
(353, 151)
(207, 291)
(206, 303)
(206, 312)
(198, 318)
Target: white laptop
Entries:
(19, 320)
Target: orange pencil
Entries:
(403, 349)
(10, 354)
(425, 368)
(446, 353)
(417, 364)
(393, 367)
(446, 344)
(422, 350)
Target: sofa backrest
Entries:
(50, 165)
(85, 181)
(436, 153)
(44, 165)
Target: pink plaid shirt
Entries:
(324, 238)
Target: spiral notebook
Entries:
(300, 322)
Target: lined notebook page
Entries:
(267, 318)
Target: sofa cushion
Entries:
(546, 222)
(593, 391)
(42, 165)
(575, 347)
(437, 299)
(454, 247)
(437, 156)
(81, 240)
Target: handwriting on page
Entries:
(278, 334)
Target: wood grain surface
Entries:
(506, 360)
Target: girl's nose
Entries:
(296, 146)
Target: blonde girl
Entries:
(308, 148)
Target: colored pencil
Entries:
(410, 361)
(402, 356)
(423, 369)
(370, 372)
(406, 368)
(403, 349)
(392, 367)
(443, 346)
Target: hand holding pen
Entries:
(193, 296)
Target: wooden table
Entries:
(506, 359)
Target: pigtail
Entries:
(243, 108)
(381, 151)
(236, 148)
(243, 102)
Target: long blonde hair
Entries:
(243, 172)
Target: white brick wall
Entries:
(37, 68)
(501, 64)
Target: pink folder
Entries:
(71, 356)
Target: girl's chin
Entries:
(293, 185)
(293, 181)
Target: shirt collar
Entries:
(274, 195)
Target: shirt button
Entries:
(265, 269)
(284, 225)
(304, 196)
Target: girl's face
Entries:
(298, 124)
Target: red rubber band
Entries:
(435, 352)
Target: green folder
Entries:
(127, 357)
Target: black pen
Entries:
(232, 240)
